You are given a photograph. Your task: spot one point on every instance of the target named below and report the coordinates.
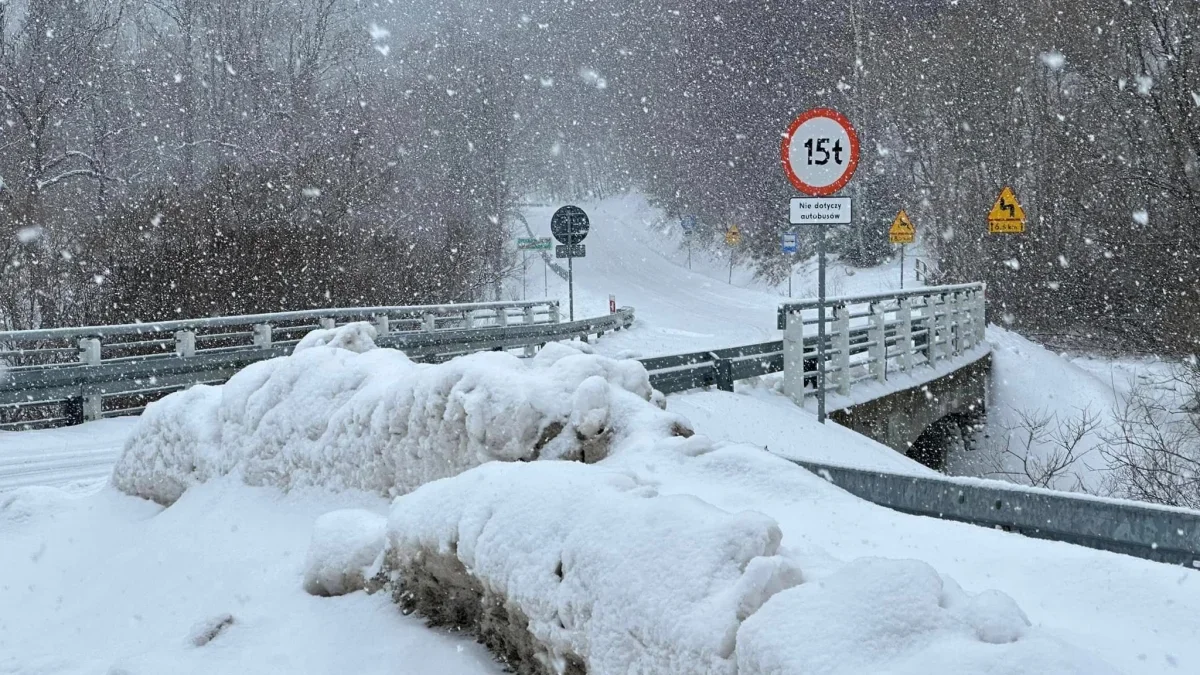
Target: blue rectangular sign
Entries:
(790, 243)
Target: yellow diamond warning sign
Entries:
(1007, 216)
(902, 230)
(733, 236)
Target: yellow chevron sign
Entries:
(902, 230)
(1006, 216)
(733, 236)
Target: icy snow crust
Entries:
(343, 414)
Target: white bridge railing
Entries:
(871, 337)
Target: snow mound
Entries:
(565, 567)
(24, 503)
(899, 617)
(357, 337)
(346, 552)
(341, 415)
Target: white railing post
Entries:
(980, 316)
(89, 354)
(429, 322)
(262, 335)
(469, 315)
(327, 322)
(185, 343)
(555, 317)
(383, 325)
(936, 323)
(841, 343)
(904, 334)
(793, 358)
(501, 316)
(953, 319)
(877, 337)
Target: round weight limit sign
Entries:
(820, 152)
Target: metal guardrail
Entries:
(81, 389)
(1145, 531)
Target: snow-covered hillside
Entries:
(634, 253)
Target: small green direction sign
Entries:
(535, 244)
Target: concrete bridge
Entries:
(908, 370)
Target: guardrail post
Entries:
(904, 334)
(841, 343)
(877, 338)
(469, 316)
(327, 322)
(89, 354)
(383, 325)
(530, 319)
(429, 322)
(555, 317)
(723, 370)
(262, 335)
(501, 316)
(185, 343)
(795, 366)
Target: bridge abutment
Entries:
(900, 419)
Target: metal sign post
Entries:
(733, 237)
(526, 244)
(570, 226)
(790, 244)
(688, 223)
(902, 232)
(820, 154)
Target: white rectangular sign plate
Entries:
(810, 211)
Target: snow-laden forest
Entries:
(184, 157)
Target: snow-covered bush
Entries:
(562, 567)
(340, 414)
(903, 618)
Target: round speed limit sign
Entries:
(820, 152)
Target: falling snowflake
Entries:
(593, 78)
(1141, 217)
(378, 32)
(28, 235)
(1054, 59)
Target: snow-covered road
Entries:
(58, 457)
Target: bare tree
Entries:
(1154, 448)
(1043, 450)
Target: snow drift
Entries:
(903, 618)
(342, 414)
(561, 567)
(565, 568)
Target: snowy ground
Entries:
(107, 583)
